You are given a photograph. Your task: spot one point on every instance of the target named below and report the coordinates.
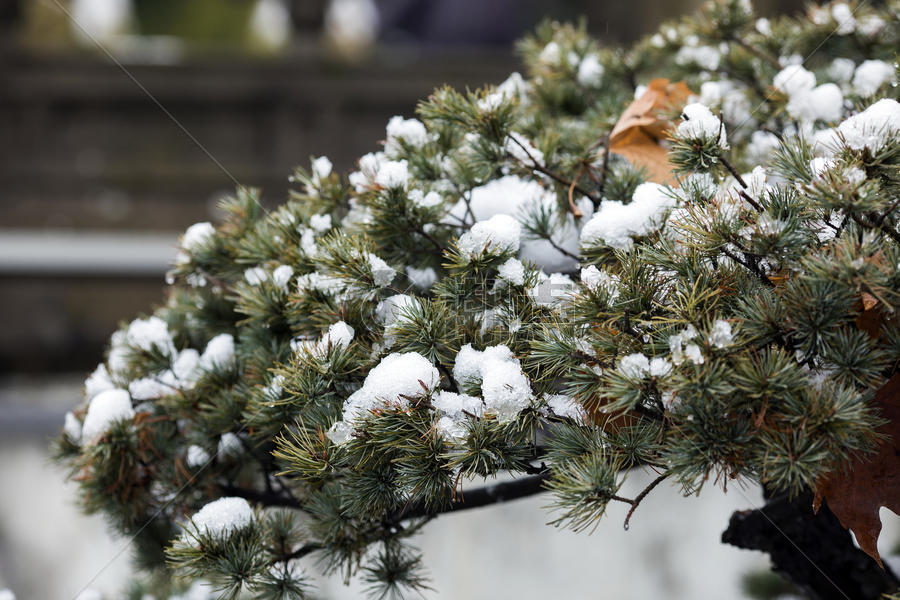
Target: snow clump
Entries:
(616, 224)
(105, 409)
(223, 517)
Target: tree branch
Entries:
(537, 167)
(265, 498)
(812, 550)
(479, 497)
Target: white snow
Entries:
(454, 410)
(821, 165)
(551, 54)
(515, 196)
(552, 290)
(693, 353)
(423, 279)
(497, 235)
(638, 366)
(396, 379)
(149, 334)
(762, 145)
(382, 273)
(255, 275)
(150, 388)
(455, 405)
(841, 70)
(721, 336)
(352, 23)
(118, 353)
(872, 128)
(104, 410)
(870, 75)
(320, 283)
(679, 351)
(389, 310)
(339, 335)
(616, 224)
(321, 168)
(229, 446)
(634, 366)
(186, 367)
(369, 165)
(794, 79)
(308, 241)
(504, 386)
(394, 174)
(729, 98)
(340, 432)
(659, 367)
(870, 25)
(698, 122)
(590, 71)
(411, 131)
(514, 87)
(320, 223)
(512, 271)
(823, 103)
(72, 429)
(197, 236)
(97, 382)
(705, 57)
(467, 366)
(196, 456)
(422, 200)
(450, 428)
(596, 280)
(219, 353)
(567, 407)
(221, 518)
(282, 275)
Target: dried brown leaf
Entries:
(871, 481)
(644, 125)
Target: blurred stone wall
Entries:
(85, 150)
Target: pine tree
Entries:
(501, 291)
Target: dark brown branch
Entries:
(301, 552)
(265, 498)
(812, 550)
(884, 228)
(479, 497)
(732, 170)
(561, 250)
(637, 500)
(421, 231)
(604, 168)
(749, 266)
(537, 167)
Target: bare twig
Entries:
(637, 500)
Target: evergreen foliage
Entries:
(494, 293)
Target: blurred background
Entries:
(124, 121)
